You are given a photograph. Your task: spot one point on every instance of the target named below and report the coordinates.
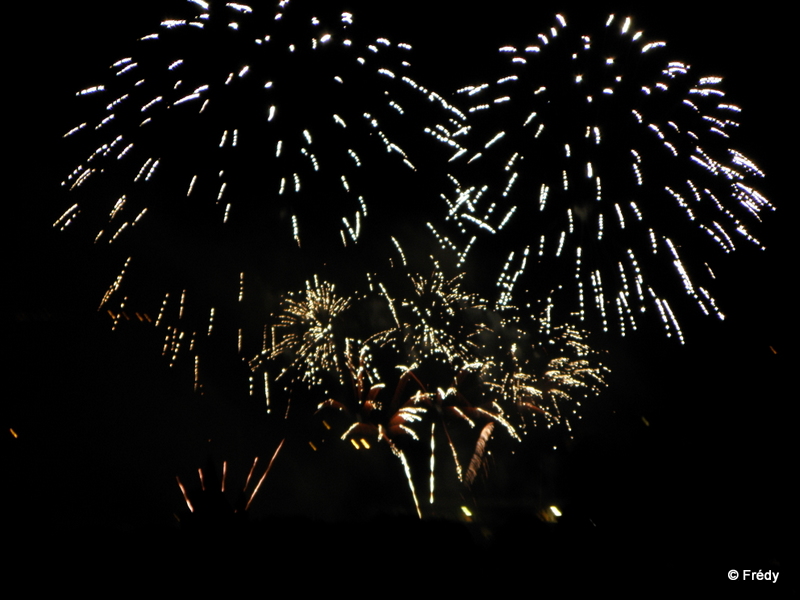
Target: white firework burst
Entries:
(598, 170)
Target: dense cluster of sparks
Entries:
(427, 357)
(610, 168)
(311, 321)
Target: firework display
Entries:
(244, 141)
(419, 355)
(598, 169)
(210, 500)
(392, 268)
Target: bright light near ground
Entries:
(555, 511)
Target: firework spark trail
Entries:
(264, 476)
(614, 165)
(480, 447)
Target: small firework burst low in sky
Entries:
(310, 323)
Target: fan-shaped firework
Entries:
(249, 141)
(211, 501)
(595, 163)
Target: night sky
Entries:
(688, 447)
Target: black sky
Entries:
(693, 439)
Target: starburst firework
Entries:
(599, 168)
(311, 323)
(244, 141)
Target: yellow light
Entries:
(555, 511)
